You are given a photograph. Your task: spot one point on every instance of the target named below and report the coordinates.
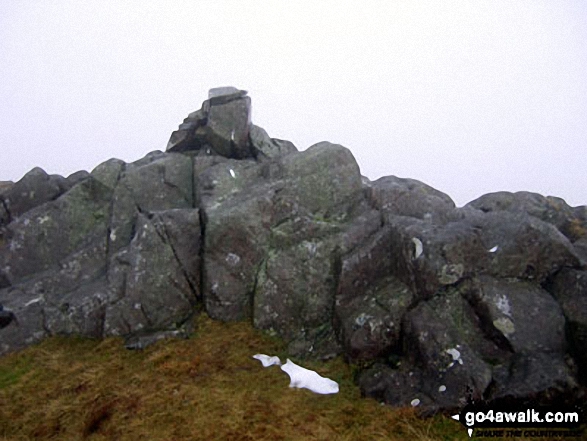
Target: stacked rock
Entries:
(221, 126)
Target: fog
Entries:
(469, 97)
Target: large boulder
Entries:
(429, 257)
(523, 316)
(546, 208)
(437, 347)
(535, 379)
(35, 188)
(236, 202)
(108, 173)
(370, 301)
(229, 121)
(521, 246)
(481, 339)
(221, 126)
(155, 280)
(265, 147)
(408, 197)
(273, 231)
(158, 182)
(190, 134)
(42, 237)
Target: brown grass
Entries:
(576, 230)
(204, 388)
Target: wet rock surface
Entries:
(435, 304)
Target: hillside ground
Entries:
(203, 388)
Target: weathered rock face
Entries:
(570, 289)
(220, 127)
(572, 222)
(435, 303)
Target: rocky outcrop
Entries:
(435, 304)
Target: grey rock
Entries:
(77, 312)
(138, 342)
(535, 379)
(324, 179)
(428, 257)
(238, 215)
(266, 147)
(409, 197)
(548, 209)
(396, 387)
(370, 324)
(227, 128)
(438, 349)
(273, 232)
(4, 282)
(222, 126)
(521, 246)
(453, 308)
(370, 262)
(580, 247)
(190, 134)
(294, 295)
(4, 215)
(154, 285)
(524, 315)
(370, 302)
(69, 297)
(570, 290)
(34, 189)
(108, 173)
(76, 178)
(5, 186)
(39, 239)
(223, 95)
(156, 183)
(28, 326)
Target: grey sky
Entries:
(467, 96)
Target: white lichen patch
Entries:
(423, 336)
(113, 235)
(451, 273)
(33, 301)
(456, 356)
(232, 259)
(418, 247)
(374, 325)
(505, 325)
(312, 247)
(362, 319)
(503, 304)
(43, 219)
